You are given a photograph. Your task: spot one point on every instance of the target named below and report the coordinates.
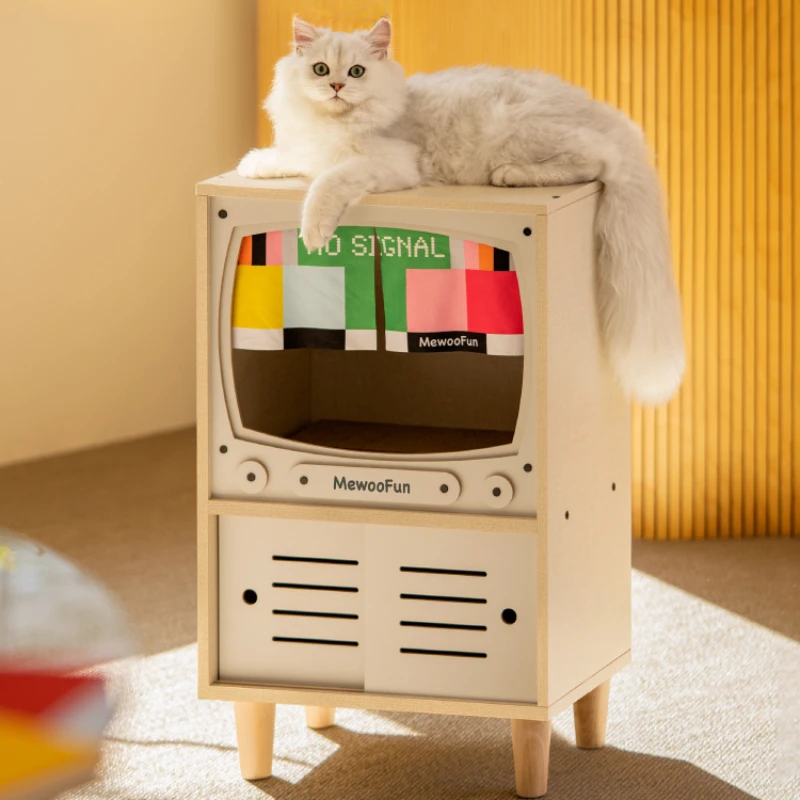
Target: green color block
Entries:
(359, 295)
(413, 249)
(394, 296)
(349, 245)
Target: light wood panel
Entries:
(716, 86)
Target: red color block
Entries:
(493, 302)
(35, 693)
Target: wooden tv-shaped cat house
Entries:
(413, 462)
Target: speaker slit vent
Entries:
(315, 588)
(296, 640)
(445, 625)
(309, 560)
(456, 653)
(326, 614)
(442, 598)
(471, 573)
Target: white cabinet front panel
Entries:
(386, 609)
(437, 601)
(305, 626)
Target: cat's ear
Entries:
(380, 37)
(304, 34)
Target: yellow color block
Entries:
(258, 297)
(32, 753)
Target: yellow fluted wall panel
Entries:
(716, 86)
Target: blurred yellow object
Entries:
(37, 761)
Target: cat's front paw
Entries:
(317, 226)
(259, 164)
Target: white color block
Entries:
(360, 340)
(257, 339)
(313, 297)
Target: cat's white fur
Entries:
(481, 125)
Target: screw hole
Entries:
(251, 476)
(613, 487)
(249, 597)
(528, 467)
(496, 491)
(527, 231)
(509, 616)
(444, 488)
(223, 448)
(566, 515)
(303, 480)
(223, 213)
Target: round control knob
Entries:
(497, 491)
(251, 477)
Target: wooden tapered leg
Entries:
(255, 732)
(531, 742)
(591, 715)
(320, 716)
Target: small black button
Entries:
(250, 597)
(509, 616)
(496, 491)
(528, 468)
(223, 448)
(527, 231)
(223, 213)
(251, 476)
(303, 480)
(444, 488)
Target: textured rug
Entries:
(708, 710)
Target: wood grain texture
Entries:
(320, 716)
(240, 692)
(590, 713)
(530, 740)
(715, 86)
(255, 735)
(374, 516)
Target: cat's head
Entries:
(343, 73)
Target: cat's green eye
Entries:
(356, 71)
(321, 69)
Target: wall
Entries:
(716, 86)
(111, 111)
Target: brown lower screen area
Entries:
(381, 438)
(379, 401)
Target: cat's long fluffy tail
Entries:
(638, 302)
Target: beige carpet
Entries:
(709, 709)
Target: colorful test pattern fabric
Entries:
(287, 297)
(443, 294)
(440, 294)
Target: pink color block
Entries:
(274, 248)
(436, 300)
(493, 302)
(471, 255)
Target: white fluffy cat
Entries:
(345, 117)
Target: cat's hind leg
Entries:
(556, 171)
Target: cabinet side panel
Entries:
(207, 648)
(588, 517)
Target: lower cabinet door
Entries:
(399, 610)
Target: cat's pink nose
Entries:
(336, 86)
